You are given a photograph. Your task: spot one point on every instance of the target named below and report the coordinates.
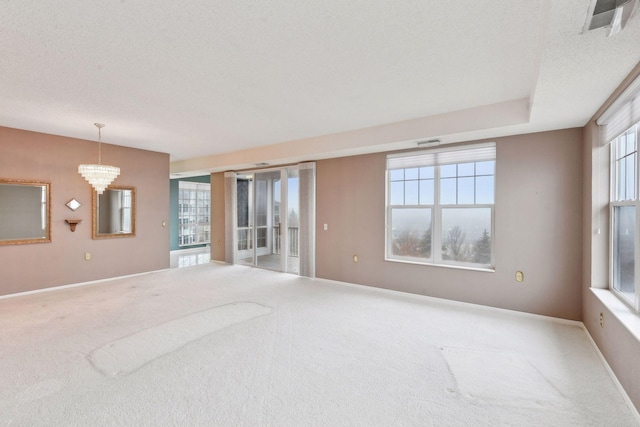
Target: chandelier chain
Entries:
(99, 126)
(99, 145)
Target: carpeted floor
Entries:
(217, 345)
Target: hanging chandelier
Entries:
(99, 176)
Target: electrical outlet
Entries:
(326, 227)
(87, 256)
(519, 276)
(601, 320)
(355, 258)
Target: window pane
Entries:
(397, 193)
(411, 233)
(448, 191)
(411, 192)
(426, 191)
(622, 146)
(466, 169)
(630, 167)
(465, 191)
(411, 173)
(396, 174)
(448, 171)
(485, 168)
(484, 189)
(426, 172)
(261, 234)
(466, 235)
(621, 179)
(624, 250)
(194, 208)
(632, 142)
(277, 200)
(261, 203)
(276, 190)
(243, 208)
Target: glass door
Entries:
(293, 221)
(273, 213)
(268, 202)
(268, 219)
(244, 225)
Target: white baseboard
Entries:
(612, 374)
(455, 302)
(75, 285)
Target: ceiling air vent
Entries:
(610, 14)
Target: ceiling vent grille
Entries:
(610, 14)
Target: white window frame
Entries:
(199, 232)
(613, 204)
(439, 157)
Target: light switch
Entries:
(326, 227)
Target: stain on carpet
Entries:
(501, 378)
(128, 354)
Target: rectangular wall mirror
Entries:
(114, 213)
(25, 212)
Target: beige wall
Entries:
(538, 229)
(36, 156)
(617, 344)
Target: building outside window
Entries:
(440, 206)
(194, 210)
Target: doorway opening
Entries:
(268, 219)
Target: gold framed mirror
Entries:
(25, 212)
(114, 213)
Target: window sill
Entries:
(455, 267)
(625, 314)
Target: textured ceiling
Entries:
(204, 78)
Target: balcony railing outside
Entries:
(293, 234)
(245, 240)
